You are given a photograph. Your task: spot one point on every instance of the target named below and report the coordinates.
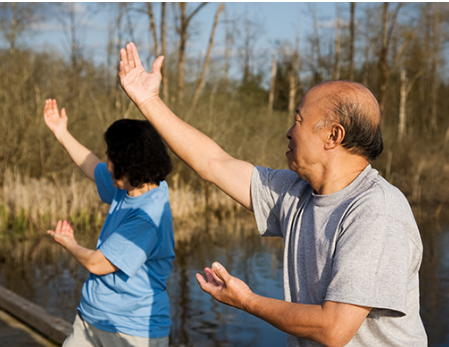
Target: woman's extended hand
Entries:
(63, 233)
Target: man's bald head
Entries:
(353, 106)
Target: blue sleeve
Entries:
(131, 245)
(104, 182)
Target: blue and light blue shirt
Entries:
(137, 237)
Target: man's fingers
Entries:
(124, 62)
(220, 271)
(209, 276)
(136, 57)
(157, 65)
(201, 281)
(130, 54)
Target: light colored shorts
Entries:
(86, 335)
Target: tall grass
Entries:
(31, 204)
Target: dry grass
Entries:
(28, 204)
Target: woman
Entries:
(124, 301)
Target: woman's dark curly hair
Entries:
(137, 152)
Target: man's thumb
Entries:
(157, 65)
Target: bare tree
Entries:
(252, 29)
(273, 82)
(435, 59)
(165, 90)
(406, 86)
(153, 27)
(351, 42)
(229, 43)
(387, 31)
(16, 19)
(337, 43)
(293, 84)
(184, 19)
(202, 79)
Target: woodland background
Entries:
(398, 50)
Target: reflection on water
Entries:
(41, 271)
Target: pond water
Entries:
(42, 272)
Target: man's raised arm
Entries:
(197, 150)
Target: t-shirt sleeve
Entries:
(268, 186)
(104, 182)
(129, 246)
(371, 265)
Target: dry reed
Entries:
(40, 203)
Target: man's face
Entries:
(306, 146)
(121, 183)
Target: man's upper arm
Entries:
(233, 176)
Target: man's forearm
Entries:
(331, 324)
(81, 156)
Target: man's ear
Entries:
(335, 136)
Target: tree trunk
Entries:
(273, 83)
(165, 92)
(434, 68)
(352, 39)
(183, 35)
(153, 27)
(181, 53)
(292, 82)
(202, 81)
(229, 42)
(383, 60)
(337, 45)
(12, 36)
(402, 104)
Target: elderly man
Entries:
(352, 247)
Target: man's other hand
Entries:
(224, 287)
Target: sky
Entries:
(277, 21)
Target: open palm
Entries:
(63, 233)
(140, 85)
(54, 121)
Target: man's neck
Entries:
(338, 176)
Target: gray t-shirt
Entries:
(360, 246)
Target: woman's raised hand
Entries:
(55, 122)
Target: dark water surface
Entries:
(42, 272)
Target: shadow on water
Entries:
(42, 272)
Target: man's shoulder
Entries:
(377, 197)
(378, 191)
(277, 178)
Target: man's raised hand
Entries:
(55, 122)
(140, 85)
